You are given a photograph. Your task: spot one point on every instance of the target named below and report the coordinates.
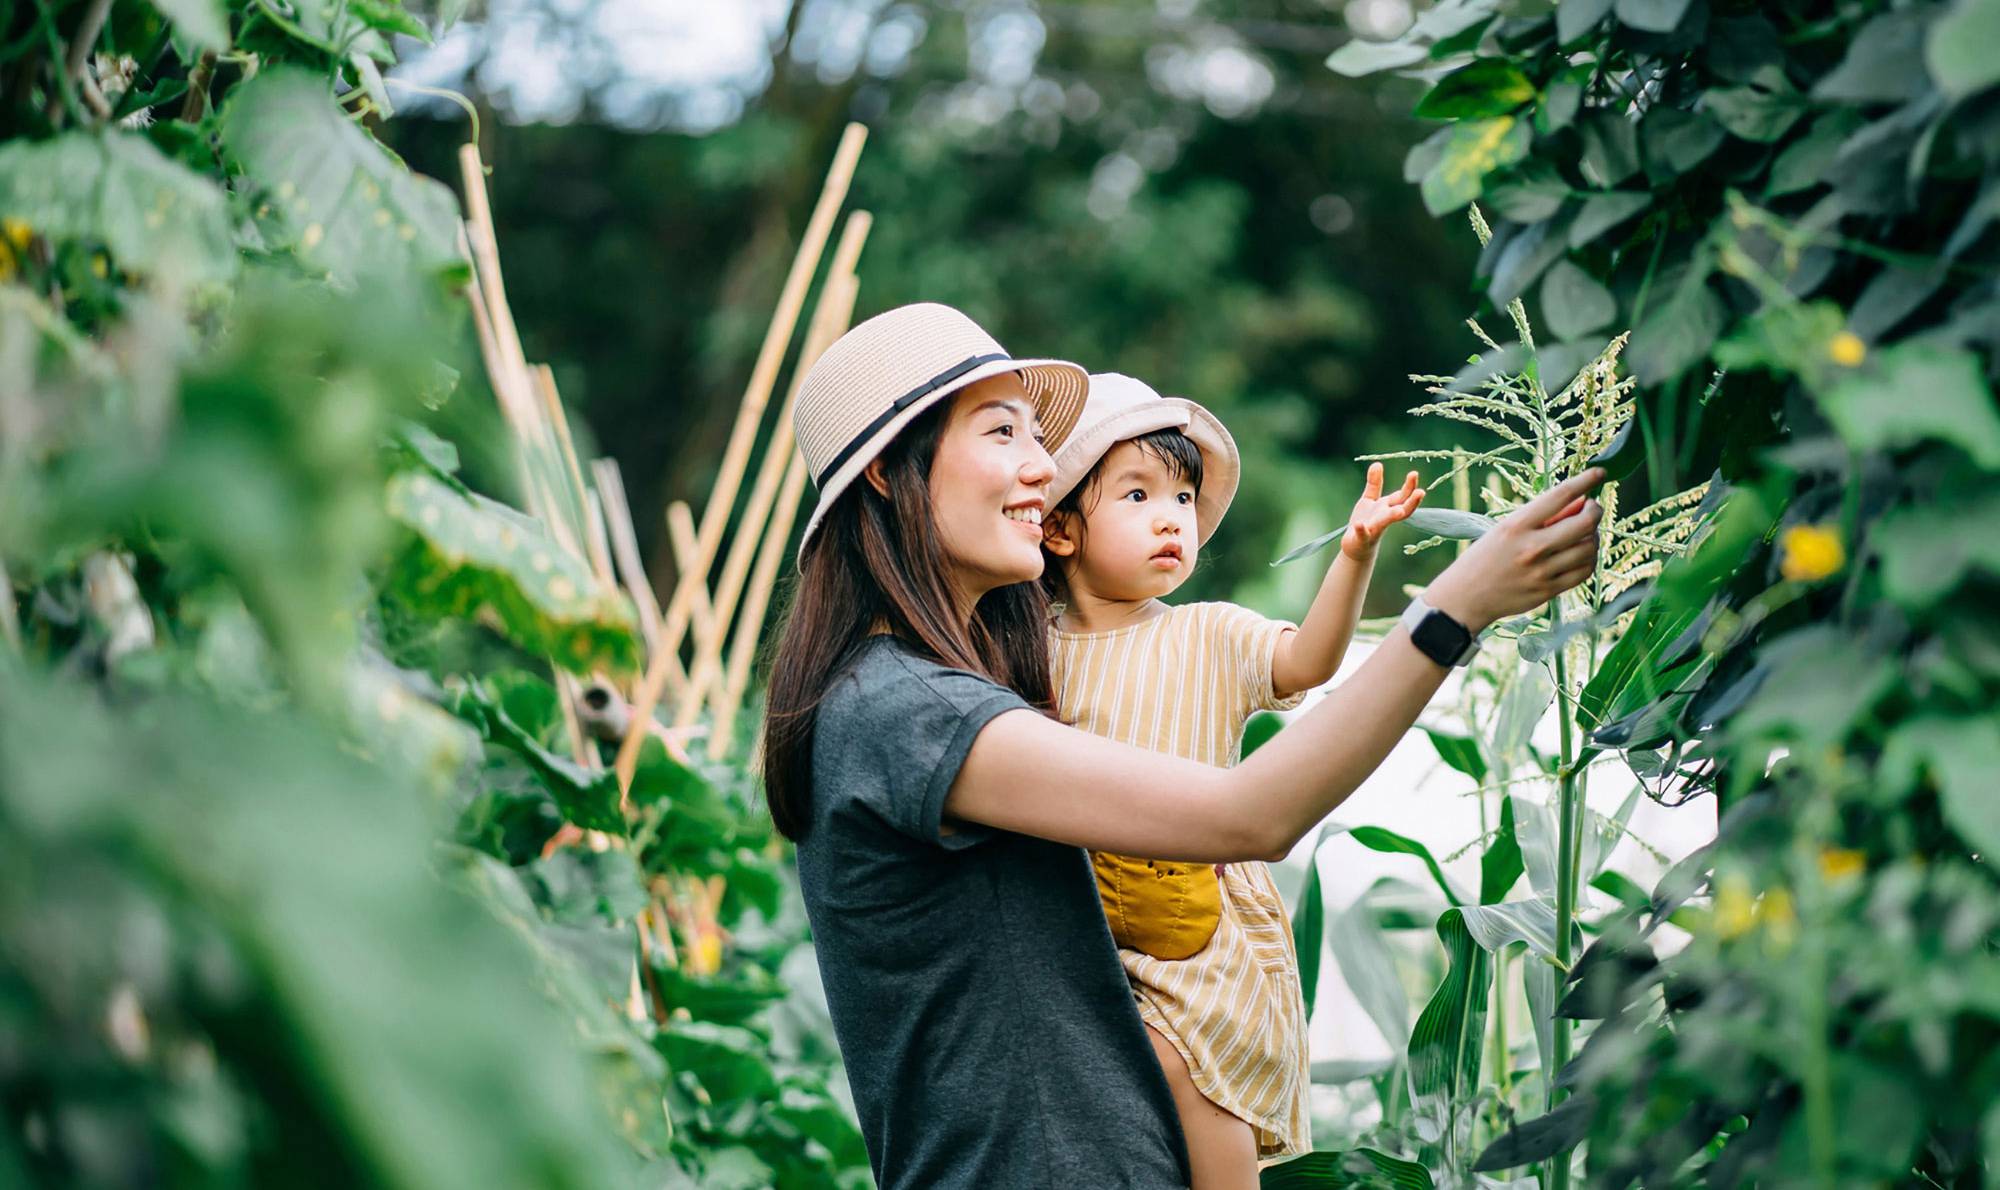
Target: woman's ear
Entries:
(1058, 536)
(875, 475)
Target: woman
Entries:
(941, 813)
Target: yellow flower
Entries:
(1735, 907)
(704, 952)
(1810, 553)
(1780, 921)
(100, 268)
(1837, 864)
(1847, 349)
(17, 231)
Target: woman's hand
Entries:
(1535, 553)
(1374, 513)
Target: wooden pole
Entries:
(625, 551)
(748, 418)
(681, 533)
(829, 321)
(763, 580)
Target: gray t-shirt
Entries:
(989, 1033)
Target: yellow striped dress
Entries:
(1185, 682)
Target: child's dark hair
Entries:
(1173, 448)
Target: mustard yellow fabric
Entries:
(1209, 954)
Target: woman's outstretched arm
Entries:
(1030, 775)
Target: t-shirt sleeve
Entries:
(1250, 641)
(906, 727)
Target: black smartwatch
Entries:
(1438, 636)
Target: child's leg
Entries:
(1222, 1149)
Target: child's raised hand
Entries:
(1374, 513)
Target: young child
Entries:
(1140, 485)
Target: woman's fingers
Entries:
(1547, 506)
(1575, 506)
(1580, 526)
(1582, 554)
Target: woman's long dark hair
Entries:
(877, 559)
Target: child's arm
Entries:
(1309, 657)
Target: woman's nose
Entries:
(1039, 468)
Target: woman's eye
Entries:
(1007, 431)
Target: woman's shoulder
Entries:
(884, 676)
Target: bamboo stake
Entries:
(556, 421)
(625, 551)
(681, 532)
(749, 417)
(829, 322)
(762, 581)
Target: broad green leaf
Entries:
(1677, 334)
(731, 999)
(1557, 1131)
(1961, 755)
(1790, 338)
(1363, 960)
(154, 215)
(1450, 1033)
(1376, 838)
(1460, 752)
(329, 191)
(580, 886)
(476, 559)
(1959, 50)
(1259, 730)
(729, 1061)
(1360, 57)
(1448, 523)
(1610, 147)
(1912, 392)
(1524, 258)
(1602, 212)
(1653, 16)
(1500, 865)
(394, 724)
(1474, 150)
(1309, 926)
(1753, 113)
(1574, 18)
(1535, 829)
(202, 22)
(1884, 62)
(1358, 1167)
(1526, 700)
(1677, 141)
(1804, 163)
(588, 798)
(1486, 87)
(1927, 550)
(1498, 926)
(1822, 682)
(1573, 303)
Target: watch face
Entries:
(1442, 638)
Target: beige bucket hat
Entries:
(878, 377)
(1120, 408)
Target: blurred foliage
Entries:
(1071, 175)
(1802, 194)
(283, 777)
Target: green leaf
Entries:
(1259, 730)
(1884, 62)
(1474, 150)
(1677, 141)
(1363, 960)
(1653, 16)
(1450, 1033)
(1961, 755)
(1497, 926)
(1677, 335)
(1501, 865)
(1575, 18)
(1487, 87)
(1527, 254)
(329, 191)
(587, 798)
(202, 22)
(1804, 163)
(1753, 113)
(1913, 392)
(1376, 838)
(1959, 50)
(1309, 926)
(1622, 455)
(1358, 1167)
(155, 215)
(1610, 147)
(1928, 550)
(1557, 1131)
(473, 558)
(1359, 57)
(1821, 683)
(1602, 212)
(1573, 303)
(1460, 752)
(1448, 523)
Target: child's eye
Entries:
(1186, 497)
(1136, 495)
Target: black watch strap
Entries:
(1438, 636)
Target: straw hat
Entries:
(1120, 408)
(878, 377)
